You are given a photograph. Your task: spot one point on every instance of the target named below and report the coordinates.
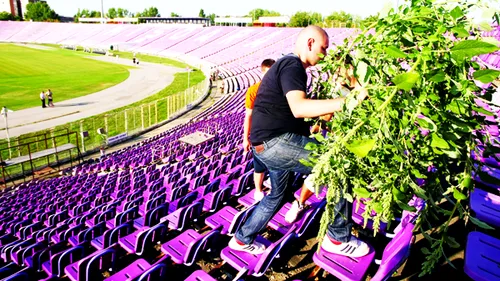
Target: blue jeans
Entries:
(281, 156)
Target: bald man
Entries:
(279, 135)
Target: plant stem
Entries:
(361, 123)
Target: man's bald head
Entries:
(312, 40)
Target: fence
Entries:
(120, 124)
(42, 151)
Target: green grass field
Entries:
(25, 72)
(29, 69)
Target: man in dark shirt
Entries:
(279, 135)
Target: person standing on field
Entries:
(49, 98)
(42, 98)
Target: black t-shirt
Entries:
(272, 115)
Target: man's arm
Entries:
(246, 129)
(303, 107)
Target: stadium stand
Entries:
(139, 215)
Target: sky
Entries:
(189, 8)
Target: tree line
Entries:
(117, 13)
(41, 11)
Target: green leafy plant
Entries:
(414, 134)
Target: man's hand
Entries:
(326, 117)
(315, 129)
(362, 94)
(246, 145)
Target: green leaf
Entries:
(460, 32)
(467, 182)
(406, 80)
(377, 207)
(361, 148)
(486, 75)
(406, 207)
(418, 174)
(306, 163)
(319, 138)
(425, 251)
(420, 192)
(439, 142)
(395, 52)
(458, 107)
(471, 48)
(459, 195)
(480, 223)
(482, 111)
(452, 242)
(398, 194)
(311, 146)
(427, 123)
(485, 26)
(491, 40)
(440, 76)
(361, 192)
(363, 71)
(454, 154)
(457, 13)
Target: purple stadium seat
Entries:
(151, 217)
(486, 206)
(180, 218)
(305, 218)
(23, 252)
(229, 218)
(112, 236)
(101, 217)
(27, 231)
(66, 234)
(256, 265)
(214, 200)
(131, 272)
(91, 267)
(58, 261)
(248, 199)
(40, 257)
(142, 240)
(200, 275)
(123, 217)
(185, 248)
(244, 182)
(156, 272)
(482, 257)
(347, 268)
(358, 208)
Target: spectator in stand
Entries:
(279, 135)
(49, 98)
(259, 167)
(42, 98)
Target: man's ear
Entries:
(310, 43)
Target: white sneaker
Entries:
(258, 195)
(254, 248)
(355, 248)
(294, 211)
